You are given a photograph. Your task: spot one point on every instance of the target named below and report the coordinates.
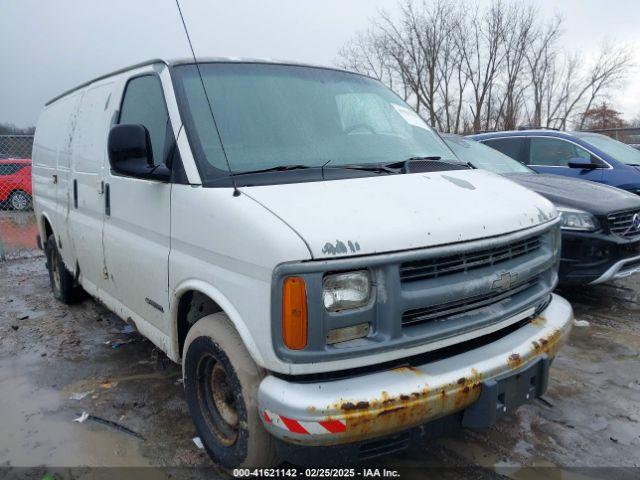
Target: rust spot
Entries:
(407, 369)
(390, 411)
(539, 321)
(514, 360)
(386, 414)
(354, 406)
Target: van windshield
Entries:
(270, 116)
(618, 150)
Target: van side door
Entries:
(52, 154)
(83, 185)
(137, 213)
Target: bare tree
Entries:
(467, 68)
(480, 43)
(609, 69)
(541, 56)
(562, 81)
(453, 79)
(519, 33)
(367, 53)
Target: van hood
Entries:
(399, 212)
(591, 197)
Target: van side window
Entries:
(555, 152)
(143, 104)
(509, 146)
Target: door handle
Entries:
(55, 178)
(107, 200)
(75, 193)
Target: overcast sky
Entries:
(50, 46)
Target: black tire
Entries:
(221, 385)
(60, 278)
(20, 201)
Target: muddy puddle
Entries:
(38, 427)
(18, 231)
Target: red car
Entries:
(15, 183)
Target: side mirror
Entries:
(582, 163)
(130, 153)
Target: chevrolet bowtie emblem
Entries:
(504, 282)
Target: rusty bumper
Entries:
(377, 404)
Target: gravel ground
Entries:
(57, 361)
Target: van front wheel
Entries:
(221, 385)
(60, 278)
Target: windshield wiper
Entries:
(277, 168)
(393, 167)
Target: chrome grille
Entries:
(442, 311)
(464, 262)
(622, 223)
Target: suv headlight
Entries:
(343, 291)
(572, 219)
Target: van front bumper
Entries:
(353, 409)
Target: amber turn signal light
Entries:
(294, 313)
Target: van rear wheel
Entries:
(60, 278)
(221, 385)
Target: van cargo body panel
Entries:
(416, 210)
(376, 404)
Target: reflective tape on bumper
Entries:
(304, 428)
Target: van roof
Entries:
(189, 60)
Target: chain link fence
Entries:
(18, 228)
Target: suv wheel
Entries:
(221, 385)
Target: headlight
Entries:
(572, 219)
(343, 291)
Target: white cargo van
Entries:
(333, 280)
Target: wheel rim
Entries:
(217, 400)
(19, 201)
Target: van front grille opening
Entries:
(444, 310)
(437, 267)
